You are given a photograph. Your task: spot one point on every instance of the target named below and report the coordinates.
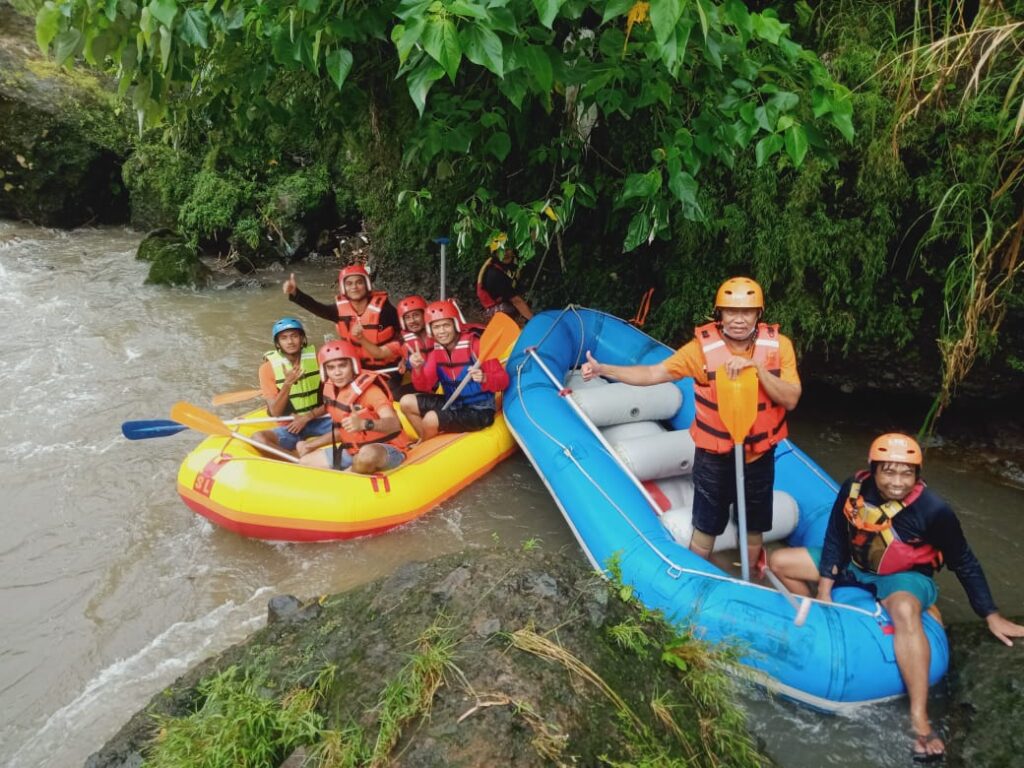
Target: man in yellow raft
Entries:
(366, 433)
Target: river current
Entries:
(110, 587)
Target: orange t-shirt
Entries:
(268, 382)
(689, 360)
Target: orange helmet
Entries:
(739, 293)
(893, 446)
(337, 350)
(442, 310)
(409, 304)
(353, 269)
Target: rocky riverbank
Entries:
(513, 658)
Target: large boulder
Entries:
(62, 137)
(488, 658)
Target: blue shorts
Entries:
(395, 456)
(714, 491)
(920, 586)
(318, 426)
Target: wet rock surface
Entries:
(986, 688)
(500, 702)
(62, 137)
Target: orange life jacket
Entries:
(874, 545)
(342, 403)
(708, 430)
(374, 331)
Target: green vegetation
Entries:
(863, 159)
(237, 725)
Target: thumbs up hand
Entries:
(591, 368)
(290, 286)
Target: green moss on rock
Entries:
(172, 261)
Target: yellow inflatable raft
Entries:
(232, 485)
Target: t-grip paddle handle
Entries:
(802, 607)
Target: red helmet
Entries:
(337, 350)
(893, 446)
(443, 310)
(410, 304)
(353, 269)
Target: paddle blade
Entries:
(194, 417)
(737, 401)
(499, 336)
(227, 398)
(147, 428)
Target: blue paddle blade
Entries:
(147, 428)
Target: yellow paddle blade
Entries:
(737, 401)
(499, 336)
(226, 398)
(194, 417)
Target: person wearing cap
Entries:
(737, 339)
(366, 434)
(496, 282)
(362, 316)
(456, 349)
(890, 533)
(290, 383)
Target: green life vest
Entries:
(303, 394)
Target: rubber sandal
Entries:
(919, 751)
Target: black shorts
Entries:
(456, 418)
(714, 485)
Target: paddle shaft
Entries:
(741, 509)
(801, 607)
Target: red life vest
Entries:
(374, 331)
(874, 545)
(342, 403)
(708, 430)
(485, 298)
(412, 342)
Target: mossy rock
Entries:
(498, 657)
(63, 137)
(172, 261)
(986, 685)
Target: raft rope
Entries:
(674, 570)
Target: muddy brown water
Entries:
(110, 587)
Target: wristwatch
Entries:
(369, 426)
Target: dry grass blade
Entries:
(529, 641)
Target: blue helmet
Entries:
(287, 324)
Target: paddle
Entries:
(737, 405)
(500, 334)
(144, 429)
(227, 398)
(196, 418)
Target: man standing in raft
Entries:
(736, 339)
(456, 349)
(366, 434)
(290, 383)
(364, 317)
(889, 532)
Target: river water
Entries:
(110, 587)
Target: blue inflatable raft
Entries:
(840, 657)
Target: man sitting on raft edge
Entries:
(888, 531)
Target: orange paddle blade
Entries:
(194, 417)
(226, 398)
(499, 336)
(737, 401)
